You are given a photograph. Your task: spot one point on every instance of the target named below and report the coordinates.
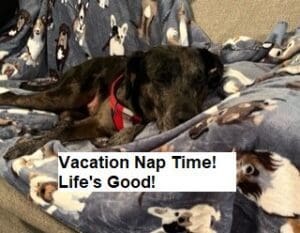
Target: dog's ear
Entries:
(158, 211)
(44, 19)
(124, 29)
(213, 67)
(134, 64)
(113, 21)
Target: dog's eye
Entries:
(249, 169)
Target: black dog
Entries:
(165, 84)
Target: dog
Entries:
(8, 70)
(198, 219)
(50, 7)
(44, 192)
(117, 38)
(35, 43)
(62, 46)
(179, 38)
(79, 27)
(24, 18)
(103, 3)
(149, 11)
(119, 95)
(262, 178)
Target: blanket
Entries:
(255, 112)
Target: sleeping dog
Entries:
(119, 95)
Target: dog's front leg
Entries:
(126, 135)
(26, 146)
(87, 128)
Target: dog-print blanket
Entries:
(255, 112)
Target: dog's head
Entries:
(173, 220)
(9, 69)
(118, 33)
(82, 8)
(45, 191)
(39, 26)
(169, 84)
(24, 18)
(64, 33)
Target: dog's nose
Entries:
(183, 117)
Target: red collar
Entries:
(122, 116)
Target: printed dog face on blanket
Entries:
(118, 34)
(166, 85)
(270, 180)
(198, 219)
(103, 3)
(43, 191)
(24, 18)
(8, 70)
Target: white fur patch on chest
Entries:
(12, 32)
(35, 46)
(60, 54)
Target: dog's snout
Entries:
(176, 115)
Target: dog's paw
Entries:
(126, 135)
(22, 147)
(100, 142)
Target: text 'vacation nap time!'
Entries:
(140, 161)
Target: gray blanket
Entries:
(256, 114)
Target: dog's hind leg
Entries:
(56, 99)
